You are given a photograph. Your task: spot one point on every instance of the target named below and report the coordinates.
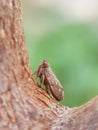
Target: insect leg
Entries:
(34, 72)
(49, 91)
(42, 78)
(35, 75)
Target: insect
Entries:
(50, 81)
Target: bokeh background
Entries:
(65, 33)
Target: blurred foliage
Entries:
(72, 51)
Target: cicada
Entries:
(50, 81)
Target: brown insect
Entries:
(48, 78)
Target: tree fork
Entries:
(23, 105)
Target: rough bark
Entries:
(23, 105)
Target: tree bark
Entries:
(23, 105)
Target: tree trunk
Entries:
(23, 105)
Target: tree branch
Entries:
(23, 105)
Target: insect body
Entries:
(48, 78)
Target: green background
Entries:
(70, 48)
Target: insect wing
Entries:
(54, 84)
(57, 92)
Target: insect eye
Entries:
(45, 64)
